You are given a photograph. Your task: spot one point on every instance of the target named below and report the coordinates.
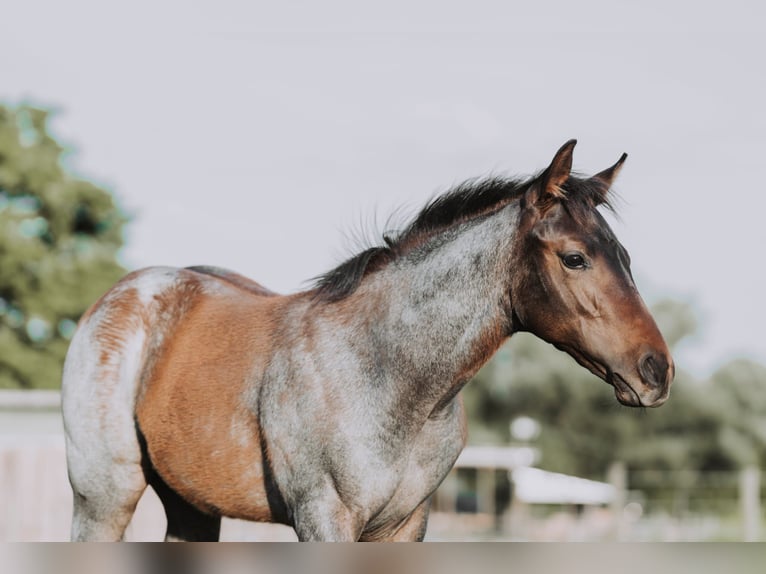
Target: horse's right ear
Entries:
(550, 183)
(607, 177)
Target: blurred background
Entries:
(273, 140)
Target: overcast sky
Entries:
(256, 135)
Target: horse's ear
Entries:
(557, 173)
(607, 177)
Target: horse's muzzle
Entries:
(655, 370)
(656, 373)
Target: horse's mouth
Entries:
(623, 392)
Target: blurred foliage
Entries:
(707, 425)
(59, 237)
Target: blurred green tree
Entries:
(738, 394)
(59, 238)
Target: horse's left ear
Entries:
(607, 177)
(558, 172)
(548, 186)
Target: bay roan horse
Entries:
(337, 410)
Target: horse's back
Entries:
(142, 312)
(234, 278)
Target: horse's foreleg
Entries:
(327, 520)
(411, 529)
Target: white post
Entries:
(617, 476)
(485, 490)
(750, 503)
(447, 494)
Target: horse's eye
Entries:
(574, 260)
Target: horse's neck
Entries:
(445, 308)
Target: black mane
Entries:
(465, 202)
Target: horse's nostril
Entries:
(654, 369)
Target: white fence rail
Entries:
(36, 500)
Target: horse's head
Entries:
(574, 287)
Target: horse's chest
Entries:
(430, 459)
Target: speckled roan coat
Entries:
(337, 410)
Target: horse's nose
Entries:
(656, 370)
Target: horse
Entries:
(337, 410)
